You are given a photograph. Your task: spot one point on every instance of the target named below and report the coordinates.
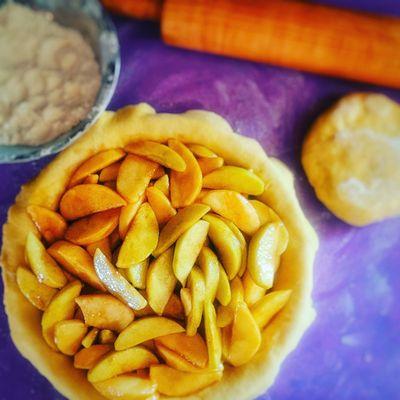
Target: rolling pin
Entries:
(288, 33)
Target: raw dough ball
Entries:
(352, 158)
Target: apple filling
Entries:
(157, 270)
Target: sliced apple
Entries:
(115, 283)
(61, 307)
(50, 224)
(92, 178)
(141, 239)
(77, 261)
(145, 329)
(186, 299)
(96, 163)
(208, 165)
(110, 173)
(174, 360)
(201, 151)
(93, 228)
(162, 184)
(174, 308)
(127, 387)
(160, 282)
(187, 249)
(265, 249)
(68, 335)
(225, 314)
(134, 176)
(128, 212)
(118, 362)
(90, 338)
(223, 294)
(38, 294)
(226, 243)
(103, 245)
(213, 336)
(137, 274)
(159, 153)
(83, 200)
(267, 307)
(160, 204)
(252, 292)
(184, 383)
(106, 336)
(235, 207)
(265, 213)
(44, 267)
(178, 224)
(185, 185)
(197, 289)
(88, 358)
(210, 266)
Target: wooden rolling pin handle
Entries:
(289, 33)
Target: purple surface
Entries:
(353, 349)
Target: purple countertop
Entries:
(352, 351)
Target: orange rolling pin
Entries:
(289, 33)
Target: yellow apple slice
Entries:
(104, 311)
(226, 244)
(68, 335)
(61, 307)
(115, 283)
(160, 282)
(162, 184)
(44, 267)
(265, 213)
(107, 337)
(265, 249)
(225, 314)
(159, 153)
(145, 329)
(174, 360)
(223, 294)
(93, 228)
(83, 200)
(234, 178)
(141, 239)
(184, 383)
(127, 387)
(38, 294)
(187, 249)
(134, 176)
(118, 362)
(160, 204)
(185, 185)
(90, 338)
(178, 224)
(252, 292)
(208, 165)
(186, 299)
(137, 274)
(75, 260)
(103, 245)
(267, 307)
(88, 358)
(92, 178)
(197, 289)
(210, 266)
(127, 214)
(110, 173)
(201, 151)
(213, 336)
(50, 224)
(235, 207)
(96, 163)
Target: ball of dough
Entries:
(352, 158)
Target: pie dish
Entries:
(204, 133)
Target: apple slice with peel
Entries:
(174, 360)
(178, 224)
(115, 283)
(197, 288)
(61, 307)
(160, 282)
(213, 336)
(88, 358)
(43, 265)
(187, 249)
(38, 294)
(184, 383)
(127, 387)
(267, 307)
(141, 239)
(145, 329)
(68, 335)
(104, 311)
(223, 294)
(210, 266)
(226, 243)
(118, 362)
(77, 261)
(50, 224)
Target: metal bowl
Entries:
(91, 20)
